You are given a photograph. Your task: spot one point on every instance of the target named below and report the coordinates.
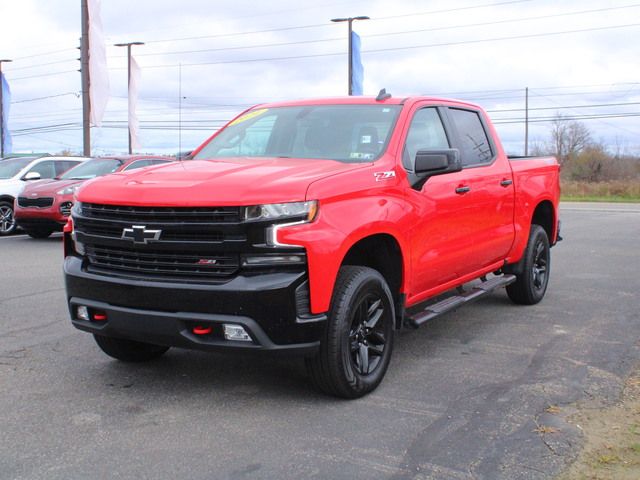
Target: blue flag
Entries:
(356, 65)
(6, 102)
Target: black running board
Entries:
(451, 303)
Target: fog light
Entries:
(99, 316)
(82, 313)
(236, 332)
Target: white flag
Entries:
(134, 125)
(98, 73)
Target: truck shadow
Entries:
(186, 373)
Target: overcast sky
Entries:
(581, 54)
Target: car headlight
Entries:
(304, 211)
(68, 190)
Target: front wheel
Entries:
(356, 349)
(7, 222)
(531, 284)
(129, 350)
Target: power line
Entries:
(406, 32)
(45, 75)
(504, 121)
(391, 49)
(566, 107)
(38, 65)
(76, 94)
(326, 24)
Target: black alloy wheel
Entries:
(367, 335)
(358, 342)
(531, 283)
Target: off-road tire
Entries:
(357, 345)
(129, 350)
(531, 284)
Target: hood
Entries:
(220, 182)
(47, 188)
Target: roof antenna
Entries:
(383, 95)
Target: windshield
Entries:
(347, 133)
(91, 169)
(10, 168)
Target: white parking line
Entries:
(21, 235)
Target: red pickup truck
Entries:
(315, 227)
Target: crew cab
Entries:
(44, 206)
(316, 228)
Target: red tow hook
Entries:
(200, 330)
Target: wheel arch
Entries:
(544, 215)
(383, 253)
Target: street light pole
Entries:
(350, 20)
(128, 45)
(2, 110)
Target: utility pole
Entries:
(526, 121)
(128, 45)
(2, 110)
(350, 22)
(86, 82)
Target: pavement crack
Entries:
(33, 294)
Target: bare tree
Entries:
(568, 138)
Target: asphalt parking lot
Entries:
(462, 398)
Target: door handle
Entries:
(506, 182)
(461, 190)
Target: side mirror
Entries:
(437, 162)
(31, 176)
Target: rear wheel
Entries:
(129, 350)
(7, 222)
(531, 284)
(356, 350)
(39, 232)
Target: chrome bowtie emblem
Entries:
(140, 234)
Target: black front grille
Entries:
(170, 232)
(199, 244)
(143, 215)
(158, 263)
(42, 202)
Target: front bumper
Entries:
(166, 313)
(35, 217)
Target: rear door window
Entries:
(475, 148)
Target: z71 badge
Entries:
(380, 176)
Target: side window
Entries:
(474, 144)
(138, 164)
(64, 165)
(46, 169)
(425, 133)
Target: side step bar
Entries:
(451, 303)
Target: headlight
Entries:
(68, 190)
(305, 211)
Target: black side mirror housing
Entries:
(437, 162)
